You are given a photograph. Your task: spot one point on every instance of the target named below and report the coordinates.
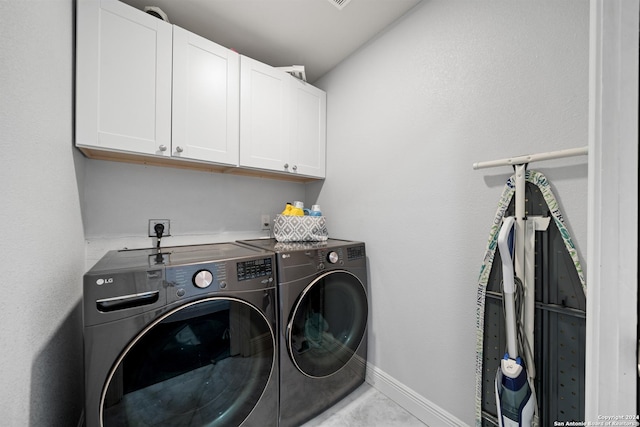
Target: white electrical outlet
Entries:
(165, 222)
(265, 222)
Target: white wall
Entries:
(41, 236)
(450, 84)
(119, 199)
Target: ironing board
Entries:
(560, 295)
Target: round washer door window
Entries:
(205, 363)
(327, 324)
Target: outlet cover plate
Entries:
(265, 222)
(165, 222)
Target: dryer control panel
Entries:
(299, 263)
(326, 258)
(339, 257)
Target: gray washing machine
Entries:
(323, 306)
(184, 337)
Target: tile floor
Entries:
(365, 407)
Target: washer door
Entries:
(327, 324)
(205, 363)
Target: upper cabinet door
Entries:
(123, 92)
(308, 129)
(264, 126)
(206, 99)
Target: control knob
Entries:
(333, 257)
(203, 279)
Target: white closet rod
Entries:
(571, 152)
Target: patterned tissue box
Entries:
(300, 228)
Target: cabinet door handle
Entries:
(295, 168)
(179, 149)
(286, 165)
(163, 148)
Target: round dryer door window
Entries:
(327, 324)
(205, 363)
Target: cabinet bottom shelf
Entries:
(117, 156)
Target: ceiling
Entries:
(312, 33)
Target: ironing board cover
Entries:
(539, 180)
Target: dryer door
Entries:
(327, 324)
(205, 363)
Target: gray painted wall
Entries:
(119, 199)
(450, 84)
(41, 235)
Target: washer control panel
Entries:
(190, 280)
(254, 268)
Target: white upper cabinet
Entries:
(308, 128)
(282, 121)
(264, 133)
(206, 99)
(123, 86)
(148, 91)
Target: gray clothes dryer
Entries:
(323, 310)
(185, 337)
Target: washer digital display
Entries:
(254, 268)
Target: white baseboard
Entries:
(421, 408)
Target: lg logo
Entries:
(104, 281)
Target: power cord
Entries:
(159, 229)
